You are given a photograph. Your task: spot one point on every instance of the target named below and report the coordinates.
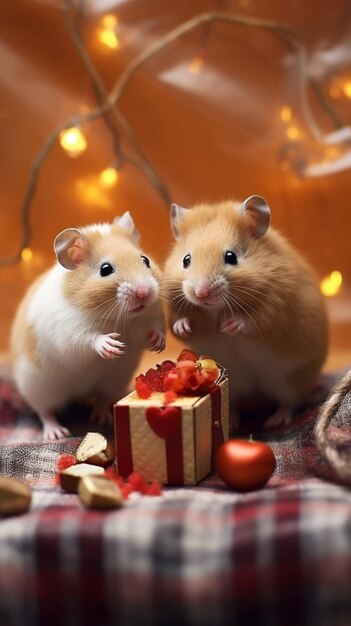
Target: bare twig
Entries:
(108, 104)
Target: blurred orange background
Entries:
(224, 111)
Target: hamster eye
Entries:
(145, 260)
(230, 258)
(187, 260)
(106, 269)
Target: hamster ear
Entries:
(71, 247)
(127, 223)
(177, 214)
(257, 213)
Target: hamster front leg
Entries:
(51, 428)
(234, 324)
(156, 338)
(182, 327)
(107, 346)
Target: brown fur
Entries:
(272, 282)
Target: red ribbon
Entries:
(123, 441)
(217, 428)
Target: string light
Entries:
(109, 21)
(196, 64)
(293, 132)
(347, 88)
(106, 34)
(286, 114)
(330, 285)
(108, 177)
(26, 255)
(73, 141)
(107, 37)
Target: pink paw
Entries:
(233, 325)
(182, 327)
(157, 340)
(52, 430)
(282, 417)
(101, 414)
(108, 347)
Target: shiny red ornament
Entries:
(245, 465)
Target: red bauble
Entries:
(245, 465)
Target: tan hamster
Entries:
(83, 325)
(240, 293)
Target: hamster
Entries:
(83, 325)
(240, 293)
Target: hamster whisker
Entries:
(103, 310)
(266, 320)
(107, 314)
(251, 292)
(236, 300)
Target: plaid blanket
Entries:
(195, 556)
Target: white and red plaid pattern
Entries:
(196, 556)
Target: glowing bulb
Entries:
(109, 21)
(26, 255)
(347, 89)
(108, 177)
(73, 141)
(108, 38)
(286, 114)
(196, 64)
(293, 132)
(92, 193)
(330, 285)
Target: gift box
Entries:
(174, 443)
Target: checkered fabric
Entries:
(199, 556)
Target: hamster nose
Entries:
(141, 292)
(202, 292)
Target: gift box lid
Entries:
(158, 399)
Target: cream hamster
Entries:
(83, 325)
(239, 292)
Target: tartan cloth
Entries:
(199, 556)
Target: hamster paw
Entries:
(52, 429)
(233, 325)
(108, 347)
(182, 327)
(157, 340)
(281, 417)
(101, 414)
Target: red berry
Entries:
(172, 381)
(187, 355)
(142, 387)
(66, 460)
(154, 489)
(111, 472)
(126, 490)
(136, 481)
(155, 379)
